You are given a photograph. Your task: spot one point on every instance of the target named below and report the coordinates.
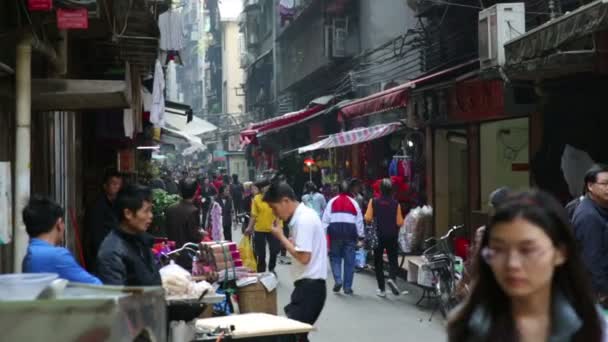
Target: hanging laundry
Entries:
(392, 169)
(172, 31)
(157, 112)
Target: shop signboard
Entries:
(126, 161)
(75, 19)
(476, 100)
(40, 5)
(6, 200)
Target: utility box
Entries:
(498, 25)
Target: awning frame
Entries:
(392, 98)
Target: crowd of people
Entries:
(535, 272)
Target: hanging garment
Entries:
(157, 112)
(171, 27)
(392, 169)
(217, 228)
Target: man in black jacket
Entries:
(590, 224)
(125, 256)
(183, 218)
(101, 217)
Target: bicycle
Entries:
(442, 263)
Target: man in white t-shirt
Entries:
(307, 245)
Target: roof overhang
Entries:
(72, 94)
(553, 35)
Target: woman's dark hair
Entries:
(310, 188)
(499, 195)
(542, 210)
(132, 197)
(386, 187)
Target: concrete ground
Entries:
(366, 317)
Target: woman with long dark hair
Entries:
(531, 284)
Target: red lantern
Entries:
(309, 162)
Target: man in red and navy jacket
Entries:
(343, 221)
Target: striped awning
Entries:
(352, 137)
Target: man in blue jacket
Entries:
(590, 222)
(44, 224)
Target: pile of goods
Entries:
(220, 261)
(416, 228)
(178, 283)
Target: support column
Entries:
(23, 124)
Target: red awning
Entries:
(280, 122)
(392, 98)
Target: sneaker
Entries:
(349, 292)
(393, 287)
(380, 293)
(337, 288)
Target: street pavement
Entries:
(366, 317)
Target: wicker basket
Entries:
(255, 298)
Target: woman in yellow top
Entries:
(387, 213)
(260, 226)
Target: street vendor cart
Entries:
(253, 327)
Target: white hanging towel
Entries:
(171, 27)
(157, 112)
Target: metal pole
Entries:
(22, 144)
(275, 66)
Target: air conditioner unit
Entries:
(498, 25)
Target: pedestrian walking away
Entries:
(344, 223)
(387, 214)
(225, 202)
(308, 248)
(531, 284)
(260, 225)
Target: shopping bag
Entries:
(247, 255)
(361, 258)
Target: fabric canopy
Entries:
(392, 98)
(287, 120)
(352, 137)
(195, 127)
(552, 35)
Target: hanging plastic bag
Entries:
(361, 258)
(246, 251)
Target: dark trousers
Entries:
(228, 231)
(259, 248)
(307, 301)
(392, 247)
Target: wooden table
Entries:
(255, 325)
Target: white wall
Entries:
(499, 151)
(232, 73)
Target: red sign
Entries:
(72, 19)
(40, 5)
(476, 100)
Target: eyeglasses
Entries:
(602, 184)
(500, 256)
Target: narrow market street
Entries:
(366, 317)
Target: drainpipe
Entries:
(22, 145)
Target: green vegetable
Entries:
(161, 201)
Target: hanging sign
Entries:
(77, 19)
(40, 5)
